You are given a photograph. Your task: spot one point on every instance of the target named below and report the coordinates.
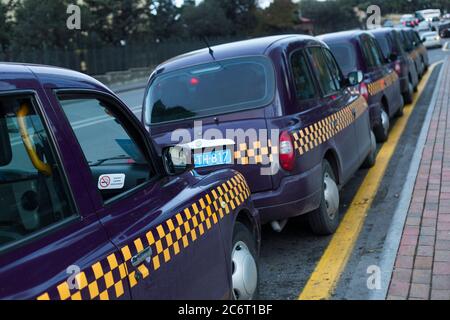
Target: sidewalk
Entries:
(422, 267)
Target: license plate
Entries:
(210, 159)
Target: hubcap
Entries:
(245, 273)
(331, 195)
(385, 121)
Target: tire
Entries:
(244, 262)
(382, 131)
(325, 220)
(400, 111)
(372, 156)
(408, 96)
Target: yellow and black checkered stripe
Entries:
(378, 86)
(259, 152)
(314, 135)
(105, 279)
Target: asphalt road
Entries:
(288, 258)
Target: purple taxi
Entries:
(90, 211)
(359, 50)
(277, 109)
(393, 49)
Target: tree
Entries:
(42, 24)
(5, 26)
(280, 17)
(163, 19)
(114, 21)
(206, 20)
(330, 16)
(241, 13)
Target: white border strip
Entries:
(395, 232)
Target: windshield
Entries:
(211, 89)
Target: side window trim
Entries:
(149, 151)
(76, 217)
(315, 82)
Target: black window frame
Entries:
(148, 150)
(56, 152)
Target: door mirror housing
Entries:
(177, 160)
(355, 78)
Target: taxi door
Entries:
(160, 224)
(52, 246)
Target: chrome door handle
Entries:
(143, 256)
(334, 124)
(354, 113)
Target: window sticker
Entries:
(111, 182)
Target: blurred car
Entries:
(431, 39)
(359, 50)
(388, 23)
(290, 85)
(444, 30)
(102, 216)
(392, 48)
(423, 26)
(408, 20)
(419, 52)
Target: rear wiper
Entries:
(102, 161)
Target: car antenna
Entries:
(211, 51)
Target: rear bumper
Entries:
(297, 195)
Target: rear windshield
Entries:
(210, 89)
(345, 55)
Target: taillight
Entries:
(287, 153)
(398, 68)
(364, 91)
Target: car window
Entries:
(371, 52)
(219, 87)
(110, 143)
(320, 65)
(33, 191)
(303, 80)
(385, 44)
(345, 55)
(334, 68)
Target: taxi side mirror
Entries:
(177, 160)
(5, 144)
(355, 78)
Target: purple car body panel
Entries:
(381, 80)
(190, 251)
(284, 194)
(391, 45)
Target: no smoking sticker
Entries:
(111, 181)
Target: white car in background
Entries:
(431, 39)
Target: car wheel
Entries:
(244, 262)
(325, 220)
(409, 95)
(372, 157)
(400, 110)
(382, 131)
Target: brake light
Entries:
(364, 91)
(398, 68)
(287, 153)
